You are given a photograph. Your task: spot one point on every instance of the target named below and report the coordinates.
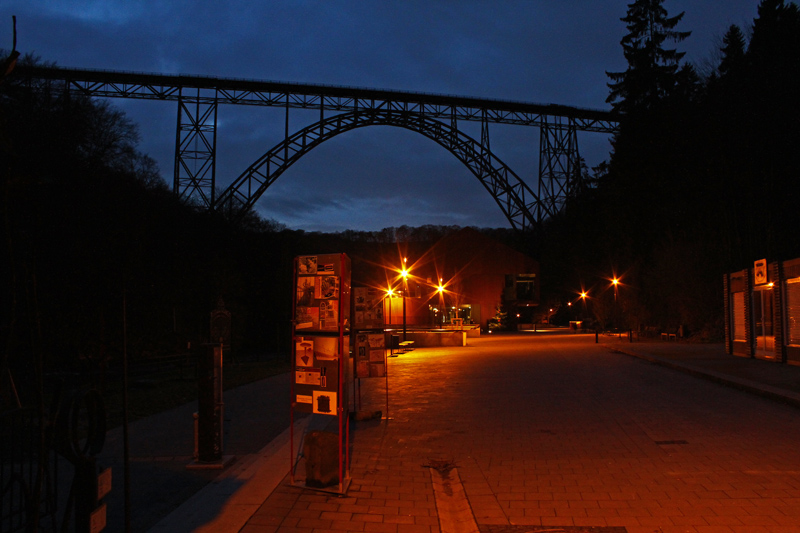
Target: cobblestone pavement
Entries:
(557, 432)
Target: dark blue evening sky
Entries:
(543, 51)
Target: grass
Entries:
(167, 390)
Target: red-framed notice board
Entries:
(320, 366)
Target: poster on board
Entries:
(307, 265)
(368, 308)
(370, 355)
(322, 292)
(323, 403)
(321, 322)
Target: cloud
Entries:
(524, 50)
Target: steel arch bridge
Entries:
(438, 117)
(517, 201)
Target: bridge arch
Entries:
(519, 203)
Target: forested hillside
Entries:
(703, 177)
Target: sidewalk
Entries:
(161, 447)
(766, 378)
(391, 493)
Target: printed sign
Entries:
(309, 376)
(304, 351)
(760, 272)
(370, 355)
(304, 398)
(324, 403)
(368, 308)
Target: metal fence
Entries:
(28, 472)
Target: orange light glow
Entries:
(404, 270)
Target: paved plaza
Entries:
(541, 433)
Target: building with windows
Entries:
(762, 311)
(467, 277)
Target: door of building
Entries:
(763, 301)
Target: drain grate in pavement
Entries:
(667, 442)
(552, 529)
(452, 504)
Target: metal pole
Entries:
(126, 463)
(404, 315)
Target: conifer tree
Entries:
(733, 50)
(652, 69)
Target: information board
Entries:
(370, 354)
(368, 308)
(317, 374)
(321, 311)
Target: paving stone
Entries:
(557, 432)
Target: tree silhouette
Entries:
(652, 69)
(733, 50)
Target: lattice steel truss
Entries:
(560, 177)
(199, 98)
(196, 148)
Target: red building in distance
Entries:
(466, 276)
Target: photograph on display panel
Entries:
(307, 265)
(326, 287)
(368, 308)
(370, 355)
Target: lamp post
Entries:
(404, 273)
(615, 282)
(442, 303)
(390, 295)
(585, 311)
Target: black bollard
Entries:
(209, 385)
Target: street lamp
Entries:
(442, 303)
(615, 282)
(390, 295)
(404, 273)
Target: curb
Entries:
(760, 389)
(227, 503)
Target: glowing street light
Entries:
(584, 295)
(614, 311)
(404, 273)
